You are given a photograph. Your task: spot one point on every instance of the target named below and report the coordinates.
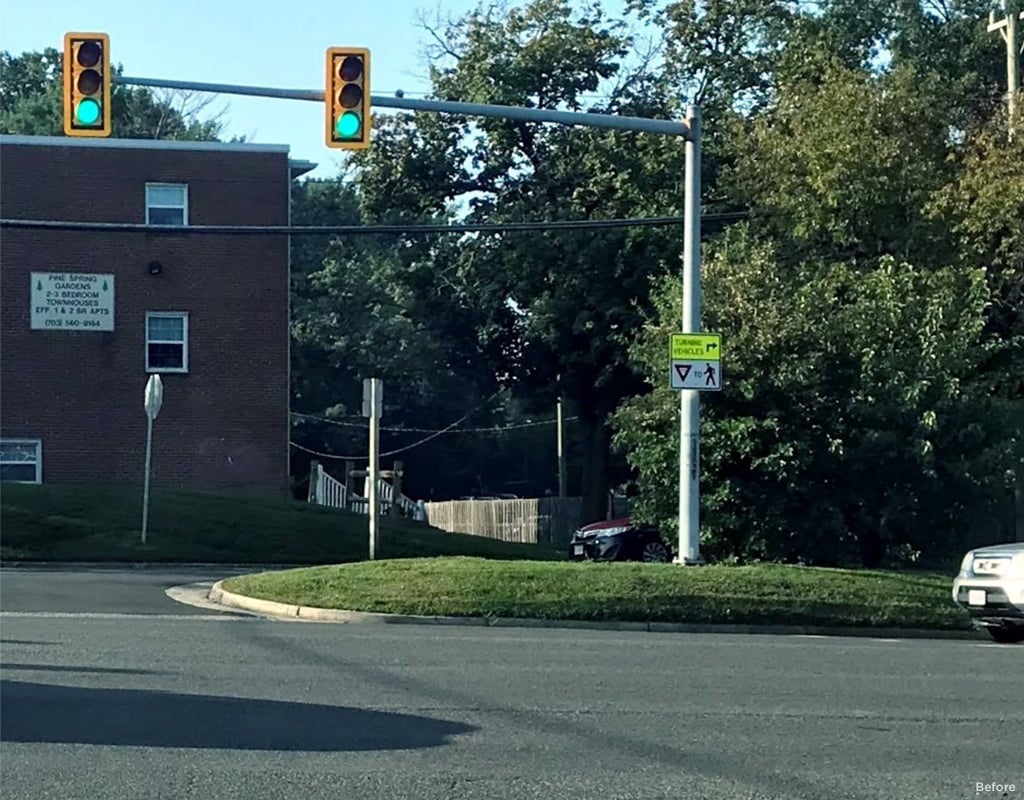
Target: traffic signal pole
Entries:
(689, 421)
(639, 124)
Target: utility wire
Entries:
(356, 230)
(423, 441)
(495, 429)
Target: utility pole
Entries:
(562, 483)
(1009, 29)
(373, 408)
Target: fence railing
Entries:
(326, 490)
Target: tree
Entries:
(30, 104)
(361, 309)
(847, 162)
(984, 209)
(857, 425)
(541, 306)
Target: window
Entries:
(166, 204)
(21, 460)
(167, 341)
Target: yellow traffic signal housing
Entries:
(87, 84)
(347, 98)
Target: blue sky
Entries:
(255, 42)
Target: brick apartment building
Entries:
(87, 316)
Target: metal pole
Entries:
(559, 413)
(145, 484)
(374, 470)
(1012, 50)
(590, 120)
(689, 412)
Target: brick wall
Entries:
(224, 424)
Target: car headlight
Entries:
(607, 533)
(965, 564)
(1017, 564)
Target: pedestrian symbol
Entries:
(709, 371)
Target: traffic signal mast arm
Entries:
(607, 121)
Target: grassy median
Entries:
(774, 594)
(102, 523)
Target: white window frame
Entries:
(184, 202)
(183, 316)
(39, 456)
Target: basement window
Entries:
(21, 460)
(166, 204)
(167, 341)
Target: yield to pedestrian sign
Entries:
(696, 362)
(705, 376)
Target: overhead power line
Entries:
(423, 441)
(357, 230)
(494, 429)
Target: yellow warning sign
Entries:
(696, 347)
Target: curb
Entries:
(143, 565)
(221, 596)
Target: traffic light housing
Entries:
(347, 98)
(87, 84)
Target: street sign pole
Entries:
(689, 411)
(373, 402)
(154, 399)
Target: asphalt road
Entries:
(112, 691)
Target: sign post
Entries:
(373, 407)
(154, 400)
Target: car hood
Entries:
(1008, 549)
(603, 525)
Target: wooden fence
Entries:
(550, 520)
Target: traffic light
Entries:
(87, 91)
(347, 98)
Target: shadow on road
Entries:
(37, 712)
(4, 667)
(25, 641)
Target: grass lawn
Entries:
(102, 523)
(642, 592)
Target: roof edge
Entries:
(140, 144)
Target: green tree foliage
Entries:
(857, 423)
(542, 307)
(871, 306)
(30, 104)
(871, 310)
(848, 162)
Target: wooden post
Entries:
(396, 489)
(314, 480)
(350, 490)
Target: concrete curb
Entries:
(221, 596)
(144, 565)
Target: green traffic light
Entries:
(348, 125)
(88, 112)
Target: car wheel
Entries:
(1007, 635)
(655, 553)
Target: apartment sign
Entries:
(72, 301)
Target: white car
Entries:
(990, 587)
